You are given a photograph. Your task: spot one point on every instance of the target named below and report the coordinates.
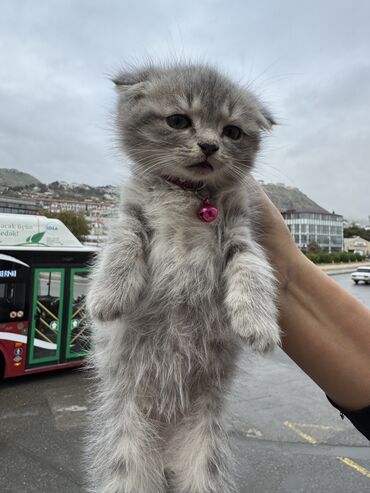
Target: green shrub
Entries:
(314, 257)
(326, 258)
(334, 258)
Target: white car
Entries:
(361, 274)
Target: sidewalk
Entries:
(342, 268)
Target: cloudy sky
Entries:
(309, 61)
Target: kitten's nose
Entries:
(208, 149)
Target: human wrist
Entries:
(286, 259)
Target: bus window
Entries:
(12, 302)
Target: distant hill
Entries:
(290, 198)
(14, 178)
(14, 183)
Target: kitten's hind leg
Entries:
(198, 458)
(125, 453)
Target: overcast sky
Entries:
(309, 61)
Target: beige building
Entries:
(357, 245)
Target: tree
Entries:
(54, 185)
(354, 230)
(75, 222)
(313, 247)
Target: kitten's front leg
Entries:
(251, 292)
(120, 273)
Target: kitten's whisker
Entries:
(145, 171)
(156, 164)
(236, 172)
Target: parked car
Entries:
(361, 274)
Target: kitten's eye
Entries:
(232, 132)
(178, 121)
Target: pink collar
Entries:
(206, 212)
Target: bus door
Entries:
(77, 337)
(58, 321)
(46, 316)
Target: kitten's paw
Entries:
(109, 299)
(102, 307)
(264, 339)
(258, 328)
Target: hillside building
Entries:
(86, 207)
(96, 212)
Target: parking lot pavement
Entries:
(288, 438)
(285, 435)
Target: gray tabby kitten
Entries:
(174, 296)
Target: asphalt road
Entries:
(285, 435)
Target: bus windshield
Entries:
(14, 276)
(12, 301)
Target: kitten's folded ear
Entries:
(265, 119)
(128, 78)
(133, 82)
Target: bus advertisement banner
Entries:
(21, 230)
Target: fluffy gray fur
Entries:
(173, 298)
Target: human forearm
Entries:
(327, 333)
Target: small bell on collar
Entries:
(207, 212)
